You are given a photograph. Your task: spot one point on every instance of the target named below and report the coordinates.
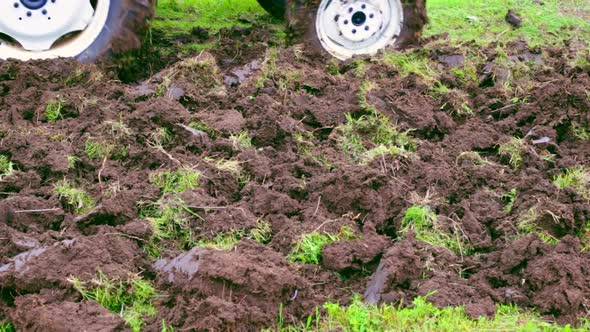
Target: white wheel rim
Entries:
(39, 32)
(347, 28)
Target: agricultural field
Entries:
(223, 179)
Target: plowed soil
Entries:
(43, 242)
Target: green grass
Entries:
(425, 224)
(580, 132)
(527, 224)
(74, 199)
(170, 222)
(6, 167)
(483, 21)
(372, 135)
(176, 182)
(131, 299)
(6, 327)
(262, 233)
(179, 17)
(309, 248)
(421, 317)
(241, 140)
(509, 199)
(101, 149)
(577, 178)
(222, 241)
(513, 150)
(53, 110)
(412, 62)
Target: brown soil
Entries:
(243, 288)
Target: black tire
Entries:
(124, 30)
(274, 7)
(301, 23)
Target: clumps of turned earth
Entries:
(440, 175)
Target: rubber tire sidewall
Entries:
(274, 7)
(301, 24)
(127, 19)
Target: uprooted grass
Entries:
(421, 316)
(426, 226)
(6, 167)
(177, 181)
(513, 151)
(577, 178)
(131, 299)
(372, 135)
(527, 224)
(6, 327)
(309, 247)
(73, 198)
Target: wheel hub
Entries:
(33, 4)
(358, 27)
(359, 21)
(37, 24)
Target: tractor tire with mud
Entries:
(274, 7)
(83, 29)
(349, 28)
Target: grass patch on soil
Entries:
(512, 151)
(422, 316)
(53, 110)
(101, 149)
(527, 224)
(577, 178)
(309, 248)
(170, 222)
(6, 167)
(73, 198)
(483, 21)
(425, 224)
(7, 327)
(177, 181)
(131, 299)
(262, 234)
(372, 135)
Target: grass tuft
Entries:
(309, 248)
(411, 63)
(131, 299)
(241, 140)
(425, 225)
(74, 199)
(527, 224)
(53, 110)
(99, 150)
(262, 233)
(577, 178)
(509, 199)
(513, 150)
(7, 327)
(372, 135)
(6, 167)
(176, 182)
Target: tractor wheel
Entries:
(81, 29)
(274, 7)
(348, 28)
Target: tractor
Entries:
(90, 29)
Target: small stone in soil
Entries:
(513, 19)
